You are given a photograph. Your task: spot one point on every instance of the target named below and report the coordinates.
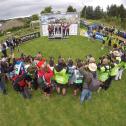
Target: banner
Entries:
(30, 36)
(99, 36)
(45, 30)
(72, 18)
(73, 29)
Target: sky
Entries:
(21, 8)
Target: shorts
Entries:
(77, 86)
(61, 86)
(47, 89)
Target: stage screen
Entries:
(71, 19)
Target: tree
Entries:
(112, 11)
(98, 13)
(89, 12)
(47, 10)
(71, 9)
(122, 11)
(83, 12)
(35, 17)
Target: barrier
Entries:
(24, 38)
(99, 36)
(29, 36)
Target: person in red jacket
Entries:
(44, 77)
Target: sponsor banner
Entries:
(72, 18)
(30, 36)
(45, 30)
(99, 36)
(73, 29)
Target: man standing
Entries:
(67, 29)
(2, 81)
(4, 51)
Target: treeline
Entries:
(89, 12)
(115, 15)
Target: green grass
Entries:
(75, 47)
(108, 108)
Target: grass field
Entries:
(104, 109)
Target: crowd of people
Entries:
(58, 28)
(108, 35)
(28, 73)
(11, 44)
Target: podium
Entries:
(56, 36)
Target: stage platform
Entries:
(57, 36)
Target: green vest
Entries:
(103, 74)
(119, 60)
(124, 47)
(105, 38)
(123, 64)
(117, 42)
(114, 70)
(61, 77)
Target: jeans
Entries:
(26, 93)
(85, 95)
(108, 82)
(119, 75)
(2, 86)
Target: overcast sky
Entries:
(18, 8)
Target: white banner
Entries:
(73, 29)
(45, 30)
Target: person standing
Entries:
(11, 47)
(4, 50)
(63, 29)
(49, 30)
(2, 80)
(59, 28)
(91, 83)
(56, 29)
(67, 29)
